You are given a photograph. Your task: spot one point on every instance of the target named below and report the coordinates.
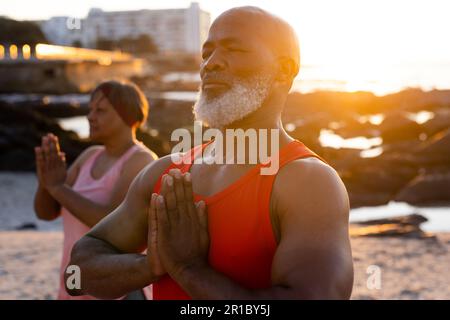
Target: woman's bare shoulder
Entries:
(86, 154)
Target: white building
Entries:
(64, 31)
(172, 30)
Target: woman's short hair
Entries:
(127, 99)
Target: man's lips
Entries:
(214, 84)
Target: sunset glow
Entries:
(379, 46)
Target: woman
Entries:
(99, 178)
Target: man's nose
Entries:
(214, 62)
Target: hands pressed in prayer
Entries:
(50, 163)
(179, 227)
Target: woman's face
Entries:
(104, 121)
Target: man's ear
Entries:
(287, 69)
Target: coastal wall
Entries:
(60, 70)
(60, 76)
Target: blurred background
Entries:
(372, 98)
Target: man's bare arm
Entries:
(109, 255)
(111, 274)
(313, 259)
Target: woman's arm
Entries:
(45, 205)
(90, 212)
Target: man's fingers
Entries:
(164, 186)
(203, 221)
(188, 194)
(169, 193)
(187, 182)
(152, 212)
(161, 213)
(202, 214)
(178, 184)
(182, 204)
(152, 219)
(152, 249)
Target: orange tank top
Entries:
(242, 243)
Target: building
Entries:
(64, 31)
(172, 30)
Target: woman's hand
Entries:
(50, 163)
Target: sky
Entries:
(347, 36)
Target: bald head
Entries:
(249, 63)
(276, 33)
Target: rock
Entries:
(410, 219)
(400, 149)
(52, 106)
(401, 226)
(21, 130)
(427, 189)
(439, 122)
(414, 100)
(336, 103)
(364, 198)
(339, 103)
(27, 226)
(353, 128)
(153, 142)
(168, 115)
(437, 148)
(307, 129)
(341, 158)
(397, 126)
(375, 181)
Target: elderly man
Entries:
(224, 230)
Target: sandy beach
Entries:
(29, 259)
(410, 268)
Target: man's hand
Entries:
(50, 163)
(152, 247)
(182, 226)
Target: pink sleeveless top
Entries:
(97, 190)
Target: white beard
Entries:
(244, 97)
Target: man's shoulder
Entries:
(306, 169)
(154, 170)
(310, 183)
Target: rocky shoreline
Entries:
(413, 164)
